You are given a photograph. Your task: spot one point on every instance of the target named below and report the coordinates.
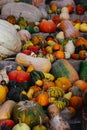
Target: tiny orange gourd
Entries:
(56, 47)
(59, 54)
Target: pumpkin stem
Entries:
(40, 120)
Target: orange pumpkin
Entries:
(76, 102)
(19, 76)
(63, 83)
(43, 99)
(47, 26)
(81, 84)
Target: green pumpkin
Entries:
(28, 112)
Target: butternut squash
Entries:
(40, 64)
(6, 109)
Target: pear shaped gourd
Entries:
(21, 126)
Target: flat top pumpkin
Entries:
(47, 26)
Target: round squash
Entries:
(76, 102)
(10, 42)
(47, 26)
(28, 112)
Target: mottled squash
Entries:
(28, 112)
(62, 68)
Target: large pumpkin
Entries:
(28, 11)
(10, 42)
(28, 112)
(47, 26)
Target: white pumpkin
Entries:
(10, 42)
(3, 2)
(28, 11)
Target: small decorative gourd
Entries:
(64, 13)
(70, 47)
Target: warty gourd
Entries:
(10, 42)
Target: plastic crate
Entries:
(76, 123)
(84, 118)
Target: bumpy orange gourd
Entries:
(64, 83)
(43, 99)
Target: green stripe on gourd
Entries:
(62, 68)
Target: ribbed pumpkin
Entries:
(47, 26)
(10, 42)
(19, 76)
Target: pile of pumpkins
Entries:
(42, 63)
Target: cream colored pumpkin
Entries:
(3, 2)
(10, 42)
(28, 11)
